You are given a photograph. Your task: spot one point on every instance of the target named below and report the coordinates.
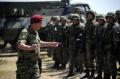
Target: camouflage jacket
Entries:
(29, 37)
(50, 31)
(76, 36)
(90, 31)
(110, 36)
(99, 36)
(61, 34)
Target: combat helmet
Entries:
(117, 12)
(56, 17)
(100, 16)
(90, 12)
(70, 16)
(63, 18)
(110, 14)
(76, 16)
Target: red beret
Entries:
(36, 18)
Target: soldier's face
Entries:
(56, 21)
(89, 17)
(118, 16)
(75, 21)
(109, 19)
(63, 21)
(100, 21)
(36, 26)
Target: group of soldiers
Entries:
(88, 43)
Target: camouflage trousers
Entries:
(109, 63)
(27, 70)
(76, 60)
(60, 56)
(50, 51)
(99, 61)
(90, 57)
(118, 54)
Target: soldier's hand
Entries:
(54, 44)
(34, 46)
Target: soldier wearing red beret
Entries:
(28, 45)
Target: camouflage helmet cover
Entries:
(70, 16)
(63, 18)
(110, 14)
(90, 12)
(76, 16)
(56, 17)
(117, 12)
(100, 17)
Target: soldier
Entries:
(56, 56)
(110, 68)
(118, 35)
(70, 16)
(117, 13)
(99, 45)
(97, 17)
(50, 34)
(79, 11)
(28, 45)
(90, 44)
(62, 54)
(76, 45)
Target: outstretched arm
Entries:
(49, 44)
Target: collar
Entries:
(32, 31)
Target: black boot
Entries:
(114, 77)
(63, 67)
(92, 74)
(106, 76)
(55, 66)
(70, 74)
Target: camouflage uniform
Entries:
(70, 16)
(56, 54)
(76, 46)
(61, 37)
(50, 35)
(27, 63)
(118, 36)
(90, 44)
(99, 46)
(109, 49)
(61, 54)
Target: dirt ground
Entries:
(8, 67)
